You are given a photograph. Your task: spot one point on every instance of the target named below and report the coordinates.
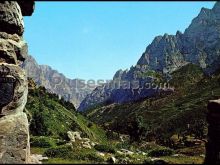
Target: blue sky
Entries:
(92, 40)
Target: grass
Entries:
(64, 161)
(38, 150)
(50, 120)
(48, 117)
(183, 159)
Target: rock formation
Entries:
(213, 144)
(55, 82)
(14, 129)
(199, 44)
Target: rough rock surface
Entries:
(13, 49)
(36, 159)
(82, 142)
(14, 139)
(73, 136)
(13, 89)
(14, 128)
(11, 19)
(199, 44)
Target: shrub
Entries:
(161, 152)
(59, 152)
(92, 156)
(43, 142)
(104, 148)
(112, 135)
(66, 152)
(60, 142)
(90, 125)
(148, 161)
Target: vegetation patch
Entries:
(42, 142)
(105, 148)
(161, 152)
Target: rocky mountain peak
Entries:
(216, 7)
(199, 45)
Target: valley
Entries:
(159, 118)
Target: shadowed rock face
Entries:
(199, 44)
(14, 133)
(213, 144)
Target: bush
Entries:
(43, 142)
(59, 152)
(66, 152)
(112, 135)
(60, 142)
(161, 152)
(92, 156)
(90, 125)
(104, 148)
(148, 161)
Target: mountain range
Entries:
(55, 82)
(199, 45)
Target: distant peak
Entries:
(179, 33)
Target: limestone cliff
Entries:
(14, 128)
(55, 82)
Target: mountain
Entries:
(159, 118)
(55, 82)
(199, 45)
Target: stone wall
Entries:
(14, 128)
(213, 144)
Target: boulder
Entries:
(36, 159)
(86, 140)
(101, 154)
(73, 136)
(14, 139)
(86, 145)
(126, 152)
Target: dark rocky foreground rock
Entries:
(213, 144)
(199, 44)
(14, 131)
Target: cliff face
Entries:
(14, 131)
(55, 82)
(199, 44)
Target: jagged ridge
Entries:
(199, 44)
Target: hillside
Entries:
(52, 118)
(182, 112)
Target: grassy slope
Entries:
(166, 115)
(57, 118)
